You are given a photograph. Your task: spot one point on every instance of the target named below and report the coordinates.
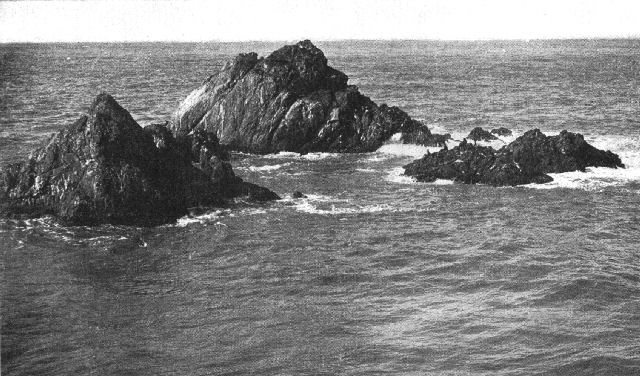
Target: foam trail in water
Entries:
(308, 207)
(394, 147)
(203, 218)
(293, 155)
(265, 168)
(396, 175)
(366, 170)
(406, 150)
(214, 216)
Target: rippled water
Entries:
(372, 273)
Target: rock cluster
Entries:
(105, 168)
(528, 159)
(292, 101)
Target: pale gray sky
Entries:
(46, 21)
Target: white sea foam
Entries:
(394, 147)
(595, 178)
(328, 205)
(282, 154)
(215, 216)
(308, 156)
(203, 218)
(406, 150)
(396, 175)
(313, 197)
(437, 128)
(267, 168)
(442, 182)
(309, 207)
(368, 170)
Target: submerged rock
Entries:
(298, 194)
(291, 101)
(479, 134)
(502, 132)
(528, 159)
(105, 168)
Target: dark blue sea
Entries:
(372, 273)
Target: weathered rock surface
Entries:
(502, 132)
(471, 164)
(528, 159)
(291, 101)
(479, 134)
(105, 168)
(562, 153)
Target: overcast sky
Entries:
(46, 21)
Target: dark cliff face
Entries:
(290, 101)
(105, 168)
(528, 159)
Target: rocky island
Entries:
(528, 159)
(292, 101)
(105, 168)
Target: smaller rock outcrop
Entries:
(105, 168)
(298, 194)
(502, 132)
(561, 153)
(528, 159)
(472, 164)
(479, 134)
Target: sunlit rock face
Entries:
(291, 101)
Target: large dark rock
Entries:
(479, 134)
(528, 159)
(105, 168)
(290, 101)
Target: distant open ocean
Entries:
(372, 273)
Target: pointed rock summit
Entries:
(291, 101)
(105, 168)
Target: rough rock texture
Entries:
(479, 134)
(564, 152)
(502, 132)
(290, 101)
(528, 159)
(471, 164)
(105, 168)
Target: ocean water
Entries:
(372, 273)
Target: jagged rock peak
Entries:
(302, 68)
(303, 51)
(105, 168)
(292, 100)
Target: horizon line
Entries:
(629, 37)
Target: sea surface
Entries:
(372, 273)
